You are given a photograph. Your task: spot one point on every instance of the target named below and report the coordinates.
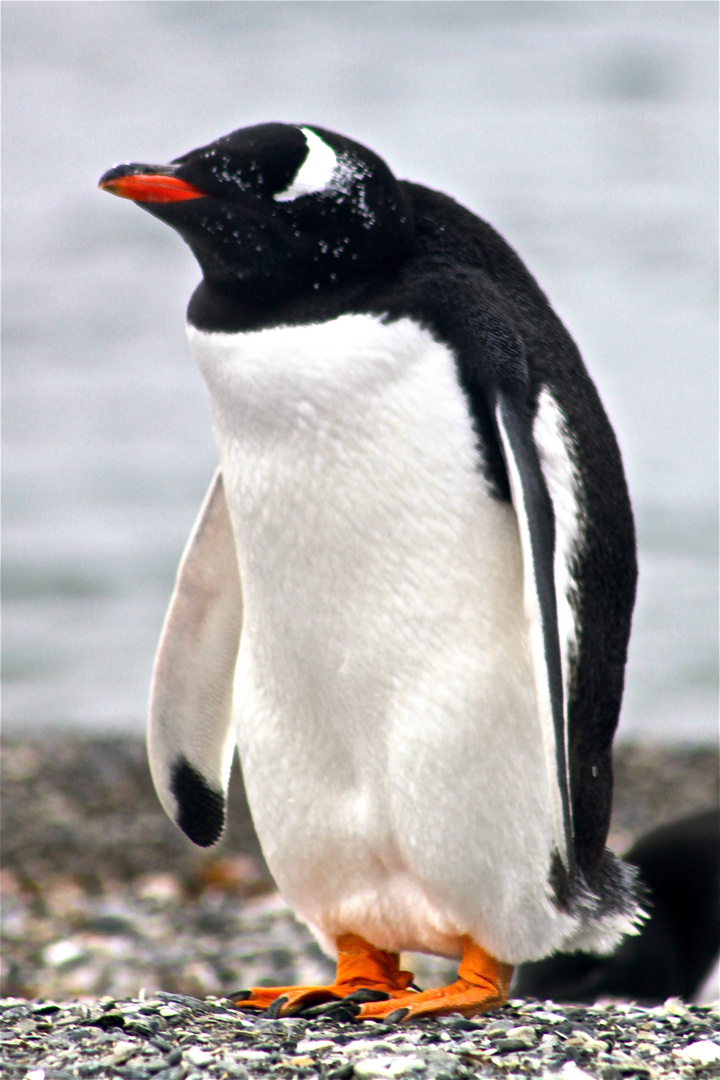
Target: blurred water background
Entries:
(585, 132)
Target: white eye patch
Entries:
(316, 171)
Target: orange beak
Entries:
(150, 187)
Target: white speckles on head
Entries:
(348, 178)
(222, 169)
(316, 171)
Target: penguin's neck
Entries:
(273, 376)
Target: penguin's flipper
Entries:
(527, 461)
(190, 734)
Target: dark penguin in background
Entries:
(677, 949)
(407, 598)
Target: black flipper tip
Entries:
(201, 809)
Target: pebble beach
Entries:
(122, 942)
(174, 1037)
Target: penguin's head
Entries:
(277, 208)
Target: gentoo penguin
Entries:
(407, 597)
(677, 948)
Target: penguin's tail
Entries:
(607, 909)
(190, 738)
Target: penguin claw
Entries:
(397, 1016)
(346, 1008)
(260, 998)
(342, 1011)
(273, 1010)
(366, 994)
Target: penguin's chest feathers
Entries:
(364, 525)
(379, 575)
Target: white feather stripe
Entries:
(533, 614)
(316, 171)
(551, 437)
(191, 693)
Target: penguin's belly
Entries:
(384, 693)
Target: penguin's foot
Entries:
(364, 975)
(482, 984)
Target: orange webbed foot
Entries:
(482, 984)
(369, 985)
(365, 975)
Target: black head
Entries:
(277, 209)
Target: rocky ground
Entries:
(172, 1037)
(105, 901)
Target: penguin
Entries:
(677, 950)
(408, 594)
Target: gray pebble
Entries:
(342, 1072)
(497, 1027)
(504, 1046)
(153, 1065)
(233, 1068)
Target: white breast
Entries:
(384, 695)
